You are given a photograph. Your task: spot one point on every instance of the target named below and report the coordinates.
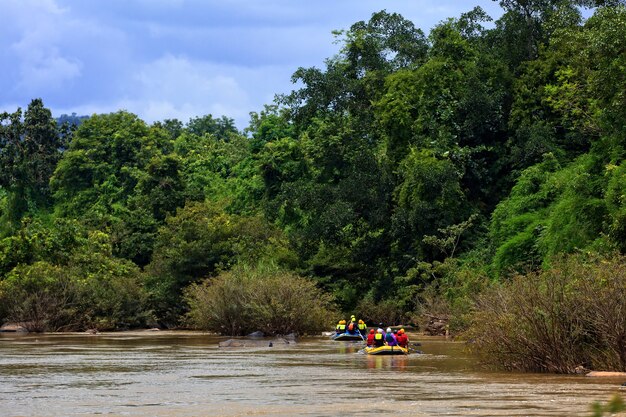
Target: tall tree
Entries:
(103, 163)
(29, 152)
(221, 128)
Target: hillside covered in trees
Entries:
(403, 177)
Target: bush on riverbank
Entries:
(266, 298)
(570, 315)
(91, 289)
(38, 295)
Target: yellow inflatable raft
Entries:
(386, 350)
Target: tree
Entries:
(29, 152)
(428, 197)
(63, 277)
(196, 243)
(221, 128)
(103, 164)
(527, 24)
(354, 78)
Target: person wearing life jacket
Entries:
(402, 338)
(362, 327)
(379, 340)
(370, 338)
(390, 338)
(341, 327)
(353, 326)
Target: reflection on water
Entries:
(186, 374)
(394, 363)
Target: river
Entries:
(187, 374)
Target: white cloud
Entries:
(41, 63)
(176, 86)
(50, 72)
(176, 58)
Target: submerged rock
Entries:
(238, 343)
(13, 327)
(607, 374)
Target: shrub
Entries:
(613, 406)
(196, 243)
(40, 296)
(389, 311)
(555, 320)
(264, 298)
(94, 289)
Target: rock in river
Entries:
(236, 343)
(13, 327)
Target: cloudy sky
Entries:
(178, 58)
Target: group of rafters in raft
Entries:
(379, 341)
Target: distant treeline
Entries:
(71, 119)
(405, 176)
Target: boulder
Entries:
(607, 374)
(13, 327)
(244, 343)
(436, 326)
(257, 334)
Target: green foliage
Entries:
(37, 241)
(67, 279)
(100, 168)
(268, 126)
(450, 237)
(40, 295)
(518, 220)
(613, 406)
(403, 175)
(266, 298)
(199, 241)
(280, 162)
(219, 170)
(29, 151)
(428, 197)
(111, 293)
(577, 217)
(616, 203)
(222, 128)
(388, 311)
(354, 78)
(569, 315)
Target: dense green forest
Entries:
(403, 177)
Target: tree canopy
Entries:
(407, 162)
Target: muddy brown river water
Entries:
(187, 374)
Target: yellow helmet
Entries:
(361, 321)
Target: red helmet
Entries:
(372, 331)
